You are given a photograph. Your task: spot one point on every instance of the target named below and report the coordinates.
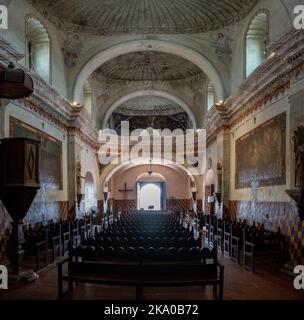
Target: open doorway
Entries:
(150, 195)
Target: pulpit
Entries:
(19, 183)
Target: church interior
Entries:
(73, 227)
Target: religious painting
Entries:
(172, 122)
(51, 153)
(260, 155)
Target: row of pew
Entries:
(142, 229)
(54, 238)
(142, 249)
(244, 243)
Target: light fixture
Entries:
(272, 55)
(75, 104)
(15, 83)
(219, 103)
(150, 171)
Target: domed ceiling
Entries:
(149, 106)
(144, 16)
(148, 65)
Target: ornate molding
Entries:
(268, 83)
(49, 104)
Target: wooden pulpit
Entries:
(19, 183)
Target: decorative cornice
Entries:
(268, 82)
(8, 53)
(49, 104)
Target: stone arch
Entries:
(144, 45)
(115, 168)
(38, 47)
(155, 177)
(142, 93)
(257, 39)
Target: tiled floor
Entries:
(267, 284)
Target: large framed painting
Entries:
(261, 155)
(51, 153)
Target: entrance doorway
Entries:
(150, 195)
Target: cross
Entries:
(125, 189)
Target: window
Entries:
(38, 48)
(257, 41)
(211, 95)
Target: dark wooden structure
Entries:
(19, 183)
(119, 267)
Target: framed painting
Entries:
(261, 155)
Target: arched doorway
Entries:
(151, 195)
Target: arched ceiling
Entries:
(144, 16)
(148, 65)
(149, 106)
(144, 163)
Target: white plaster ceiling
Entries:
(148, 65)
(144, 16)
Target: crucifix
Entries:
(125, 189)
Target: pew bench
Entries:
(254, 251)
(39, 251)
(141, 274)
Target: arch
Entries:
(142, 93)
(142, 45)
(154, 177)
(142, 161)
(257, 38)
(38, 47)
(149, 193)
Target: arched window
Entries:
(87, 97)
(257, 41)
(38, 48)
(211, 95)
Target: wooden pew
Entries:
(262, 244)
(139, 272)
